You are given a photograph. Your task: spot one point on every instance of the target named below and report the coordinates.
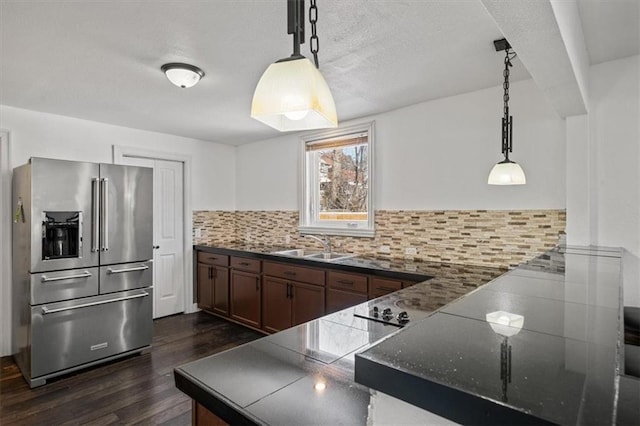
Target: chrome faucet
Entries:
(325, 241)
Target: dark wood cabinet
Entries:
(220, 290)
(307, 302)
(345, 290)
(287, 302)
(245, 297)
(273, 296)
(276, 304)
(213, 283)
(381, 286)
(338, 299)
(205, 287)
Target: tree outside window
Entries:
(337, 195)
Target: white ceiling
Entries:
(100, 60)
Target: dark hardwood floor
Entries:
(137, 389)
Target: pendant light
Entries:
(182, 75)
(506, 172)
(292, 94)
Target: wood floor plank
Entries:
(136, 390)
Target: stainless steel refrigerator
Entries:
(82, 274)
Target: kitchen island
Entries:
(561, 366)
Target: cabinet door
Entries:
(307, 302)
(338, 299)
(205, 287)
(276, 304)
(221, 290)
(245, 298)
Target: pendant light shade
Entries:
(293, 95)
(507, 173)
(182, 75)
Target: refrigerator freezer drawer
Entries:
(126, 276)
(69, 334)
(56, 286)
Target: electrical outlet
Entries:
(287, 239)
(198, 233)
(384, 249)
(410, 251)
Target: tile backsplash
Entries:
(474, 237)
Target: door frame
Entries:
(5, 244)
(119, 153)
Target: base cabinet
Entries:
(205, 287)
(276, 304)
(245, 298)
(220, 290)
(289, 303)
(338, 300)
(213, 288)
(212, 283)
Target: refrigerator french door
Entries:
(82, 245)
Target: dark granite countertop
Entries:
(559, 366)
(564, 361)
(464, 277)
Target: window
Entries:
(337, 186)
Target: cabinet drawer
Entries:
(350, 282)
(406, 284)
(295, 273)
(338, 300)
(213, 258)
(246, 264)
(381, 286)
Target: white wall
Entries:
(46, 135)
(36, 134)
(432, 156)
(614, 132)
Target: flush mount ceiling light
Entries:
(292, 94)
(506, 172)
(182, 75)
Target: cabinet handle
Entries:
(210, 272)
(346, 282)
(291, 291)
(244, 263)
(386, 288)
(257, 286)
(289, 273)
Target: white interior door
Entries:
(168, 226)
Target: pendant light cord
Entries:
(507, 121)
(314, 41)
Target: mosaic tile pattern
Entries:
(217, 227)
(473, 237)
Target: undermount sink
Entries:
(296, 252)
(329, 257)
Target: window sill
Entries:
(316, 230)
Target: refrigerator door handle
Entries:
(94, 214)
(104, 213)
(120, 271)
(45, 279)
(46, 310)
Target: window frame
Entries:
(309, 189)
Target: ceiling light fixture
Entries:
(292, 94)
(506, 172)
(182, 75)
